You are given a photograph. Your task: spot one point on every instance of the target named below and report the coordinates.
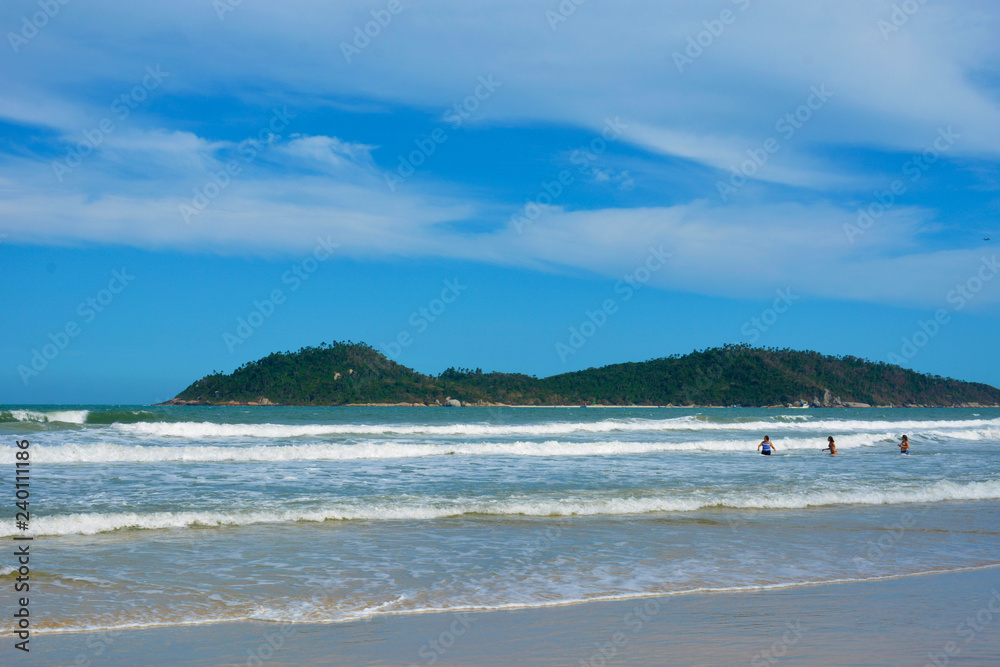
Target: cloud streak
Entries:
(889, 98)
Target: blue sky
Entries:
(656, 177)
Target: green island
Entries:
(348, 373)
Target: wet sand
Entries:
(938, 619)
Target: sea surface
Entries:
(148, 516)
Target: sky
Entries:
(527, 186)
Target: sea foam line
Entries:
(746, 588)
(199, 430)
(363, 614)
(438, 508)
(106, 452)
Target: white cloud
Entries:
(729, 154)
(749, 251)
(738, 250)
(329, 150)
(607, 60)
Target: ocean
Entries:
(151, 516)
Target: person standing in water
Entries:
(766, 446)
(904, 446)
(832, 448)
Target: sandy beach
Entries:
(936, 619)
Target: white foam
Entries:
(66, 416)
(308, 611)
(106, 452)
(970, 434)
(431, 508)
(200, 430)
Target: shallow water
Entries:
(156, 515)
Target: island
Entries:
(351, 374)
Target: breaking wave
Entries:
(64, 416)
(196, 430)
(107, 452)
(581, 505)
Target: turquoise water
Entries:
(157, 515)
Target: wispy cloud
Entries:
(889, 97)
(329, 150)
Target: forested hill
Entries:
(352, 373)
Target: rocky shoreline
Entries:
(455, 403)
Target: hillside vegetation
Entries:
(355, 373)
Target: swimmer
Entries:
(904, 446)
(832, 448)
(766, 446)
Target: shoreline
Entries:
(229, 404)
(515, 607)
(893, 620)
